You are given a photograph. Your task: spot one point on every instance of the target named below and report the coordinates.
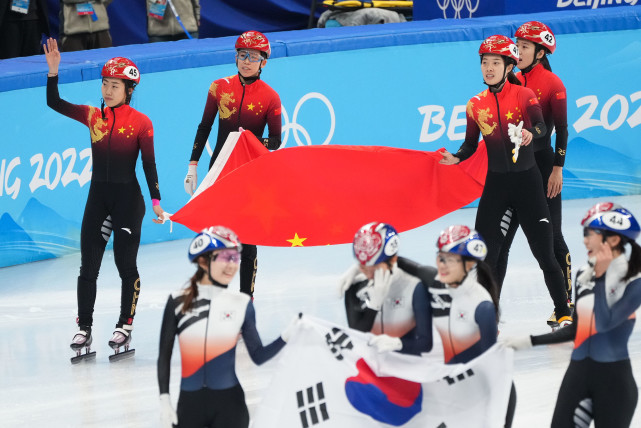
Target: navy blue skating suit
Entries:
(208, 334)
(600, 364)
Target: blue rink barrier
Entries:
(400, 85)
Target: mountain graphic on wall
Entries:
(38, 233)
(594, 170)
(48, 229)
(16, 246)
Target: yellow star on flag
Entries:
(121, 130)
(296, 241)
(250, 106)
(509, 114)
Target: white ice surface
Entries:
(39, 386)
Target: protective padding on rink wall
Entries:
(19, 73)
(397, 85)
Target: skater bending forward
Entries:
(209, 319)
(115, 203)
(599, 382)
(383, 299)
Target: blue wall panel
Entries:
(403, 90)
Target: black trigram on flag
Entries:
(337, 340)
(459, 377)
(311, 405)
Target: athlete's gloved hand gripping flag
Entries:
(328, 376)
(320, 195)
(516, 136)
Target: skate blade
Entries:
(124, 355)
(91, 356)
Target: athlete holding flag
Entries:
(510, 183)
(384, 299)
(536, 41)
(209, 320)
(241, 101)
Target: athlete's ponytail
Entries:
(634, 264)
(545, 63)
(129, 90)
(511, 77)
(192, 292)
(486, 279)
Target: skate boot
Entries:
(82, 340)
(564, 319)
(121, 338)
(553, 322)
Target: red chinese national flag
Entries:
(320, 195)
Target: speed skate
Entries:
(82, 340)
(121, 339)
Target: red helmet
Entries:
(254, 40)
(121, 68)
(500, 45)
(539, 33)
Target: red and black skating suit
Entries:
(114, 194)
(600, 368)
(210, 393)
(512, 184)
(551, 93)
(250, 105)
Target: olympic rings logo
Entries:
(295, 127)
(457, 5)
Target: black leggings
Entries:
(248, 268)
(248, 258)
(117, 206)
(213, 408)
(610, 386)
(524, 192)
(545, 162)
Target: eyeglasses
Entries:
(251, 56)
(226, 256)
(447, 260)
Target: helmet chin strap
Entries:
(251, 79)
(465, 271)
(216, 283)
(535, 61)
(213, 281)
(496, 87)
(529, 67)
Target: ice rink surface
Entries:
(40, 388)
